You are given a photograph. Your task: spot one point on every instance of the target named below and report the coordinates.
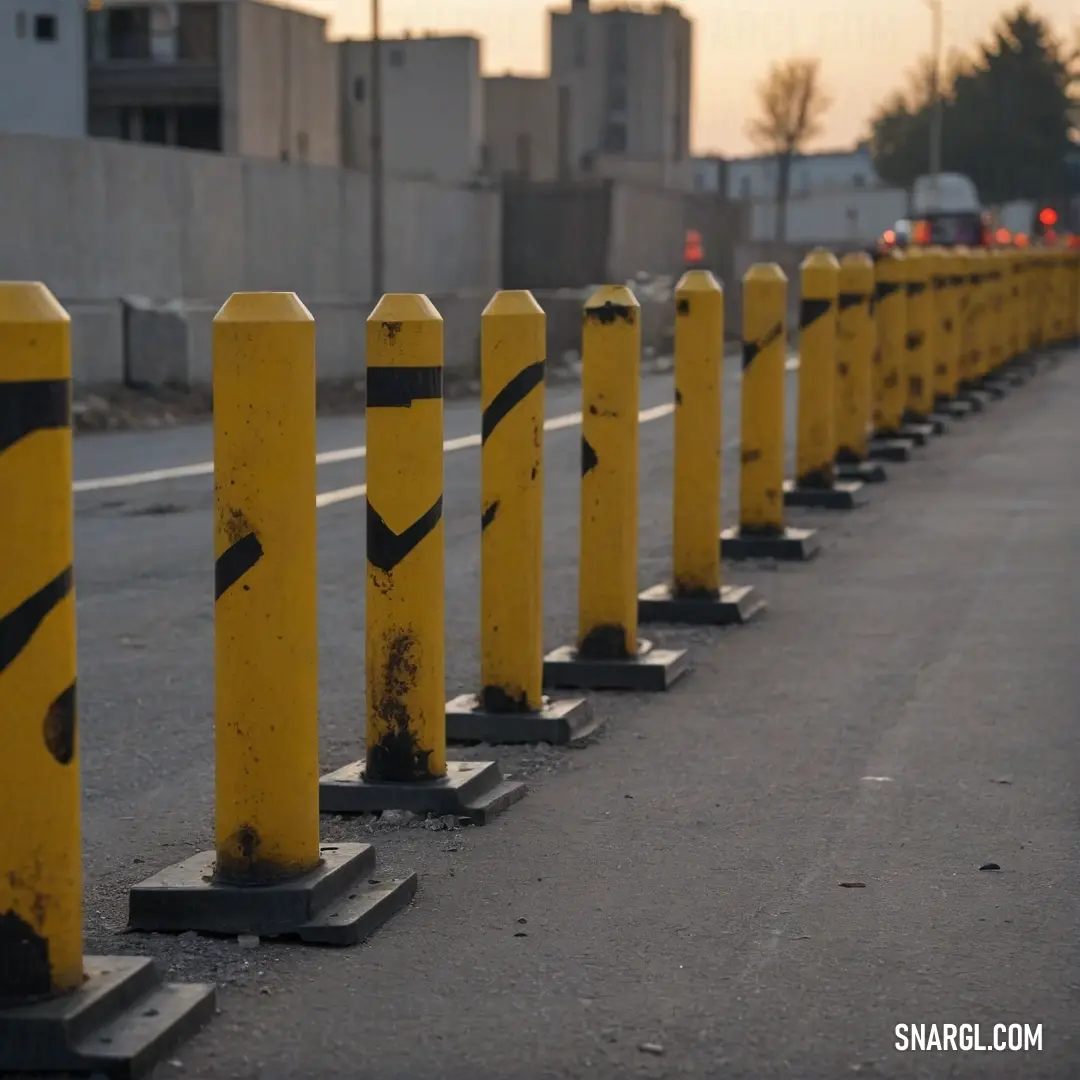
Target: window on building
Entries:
(129, 33)
(20, 24)
(155, 126)
(45, 28)
(615, 138)
(359, 88)
(198, 127)
(397, 58)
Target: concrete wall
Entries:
(832, 217)
(42, 82)
(433, 107)
(99, 221)
(280, 84)
(571, 235)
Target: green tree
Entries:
(792, 101)
(1006, 115)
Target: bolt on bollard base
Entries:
(734, 605)
(556, 722)
(120, 1023)
(474, 791)
(839, 495)
(649, 669)
(786, 545)
(337, 903)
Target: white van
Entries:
(946, 211)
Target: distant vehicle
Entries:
(946, 211)
(899, 236)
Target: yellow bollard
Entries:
(406, 766)
(982, 320)
(1074, 293)
(947, 285)
(696, 593)
(919, 344)
(41, 940)
(816, 483)
(40, 853)
(889, 393)
(269, 875)
(1055, 330)
(970, 330)
(511, 707)
(997, 322)
(761, 532)
(1036, 286)
(856, 344)
(608, 654)
(1012, 324)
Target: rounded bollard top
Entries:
(820, 259)
(760, 273)
(698, 281)
(30, 302)
(404, 307)
(616, 296)
(857, 260)
(263, 307)
(918, 262)
(516, 302)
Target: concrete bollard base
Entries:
(474, 790)
(869, 472)
(891, 449)
(649, 669)
(842, 495)
(557, 722)
(917, 432)
(337, 903)
(736, 604)
(792, 545)
(122, 1022)
(977, 399)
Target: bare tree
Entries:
(792, 102)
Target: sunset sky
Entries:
(865, 46)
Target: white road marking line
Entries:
(336, 457)
(328, 457)
(556, 423)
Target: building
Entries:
(526, 128)
(628, 73)
(811, 174)
(42, 67)
(239, 76)
(432, 106)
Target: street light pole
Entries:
(937, 103)
(376, 133)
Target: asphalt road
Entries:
(904, 713)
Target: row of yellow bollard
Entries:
(887, 354)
